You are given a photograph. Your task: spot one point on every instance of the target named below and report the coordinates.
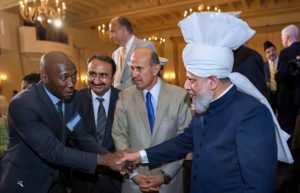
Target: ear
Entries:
(212, 82)
(44, 77)
(156, 68)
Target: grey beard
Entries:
(202, 101)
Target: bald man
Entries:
(41, 119)
(147, 114)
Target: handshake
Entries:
(123, 161)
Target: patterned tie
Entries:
(101, 121)
(61, 132)
(150, 111)
(122, 57)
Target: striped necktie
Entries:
(101, 121)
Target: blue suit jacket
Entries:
(233, 145)
(36, 144)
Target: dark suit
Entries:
(36, 150)
(249, 63)
(108, 181)
(232, 152)
(288, 88)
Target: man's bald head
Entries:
(58, 74)
(145, 68)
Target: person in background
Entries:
(232, 133)
(3, 102)
(288, 86)
(249, 63)
(121, 33)
(288, 103)
(98, 117)
(40, 120)
(13, 93)
(3, 134)
(147, 114)
(270, 71)
(29, 80)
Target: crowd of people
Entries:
(129, 130)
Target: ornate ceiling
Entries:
(156, 15)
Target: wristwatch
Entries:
(167, 178)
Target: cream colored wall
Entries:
(10, 61)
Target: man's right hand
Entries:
(129, 161)
(110, 160)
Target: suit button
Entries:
(200, 144)
(121, 81)
(195, 177)
(196, 166)
(204, 122)
(197, 155)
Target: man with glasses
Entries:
(97, 109)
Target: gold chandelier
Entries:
(200, 8)
(43, 11)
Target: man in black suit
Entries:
(100, 77)
(288, 86)
(250, 63)
(41, 119)
(288, 103)
(270, 68)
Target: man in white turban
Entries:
(234, 136)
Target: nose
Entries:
(134, 73)
(71, 82)
(187, 85)
(97, 80)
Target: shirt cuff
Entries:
(144, 157)
(134, 173)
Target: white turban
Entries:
(210, 38)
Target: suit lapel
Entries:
(163, 103)
(51, 115)
(141, 110)
(128, 55)
(110, 117)
(88, 111)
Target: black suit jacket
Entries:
(36, 143)
(108, 181)
(250, 63)
(285, 81)
(267, 71)
(288, 89)
(87, 113)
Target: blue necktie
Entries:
(150, 111)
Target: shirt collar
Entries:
(154, 90)
(106, 96)
(274, 62)
(223, 93)
(53, 98)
